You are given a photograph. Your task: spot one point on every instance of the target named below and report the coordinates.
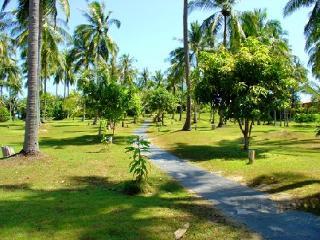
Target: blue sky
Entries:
(150, 27)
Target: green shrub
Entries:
(134, 187)
(58, 112)
(305, 118)
(4, 114)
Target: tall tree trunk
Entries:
(246, 131)
(65, 89)
(195, 120)
(181, 101)
(31, 144)
(40, 22)
(45, 88)
(187, 124)
(221, 118)
(57, 86)
(225, 31)
(84, 113)
(274, 117)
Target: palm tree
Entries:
(8, 65)
(94, 36)
(144, 79)
(127, 70)
(177, 71)
(158, 79)
(46, 8)
(31, 144)
(311, 30)
(198, 41)
(53, 35)
(256, 24)
(187, 124)
(225, 17)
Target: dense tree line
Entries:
(238, 64)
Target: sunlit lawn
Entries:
(73, 192)
(287, 164)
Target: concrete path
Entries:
(242, 204)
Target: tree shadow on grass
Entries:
(75, 141)
(285, 181)
(60, 143)
(226, 150)
(90, 210)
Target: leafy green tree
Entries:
(214, 88)
(260, 78)
(161, 101)
(135, 105)
(115, 101)
(72, 105)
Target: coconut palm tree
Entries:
(94, 36)
(311, 30)
(144, 79)
(46, 8)
(53, 36)
(256, 24)
(224, 17)
(187, 124)
(158, 79)
(127, 70)
(31, 144)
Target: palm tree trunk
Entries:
(195, 120)
(45, 88)
(57, 86)
(225, 32)
(31, 144)
(65, 89)
(187, 124)
(41, 21)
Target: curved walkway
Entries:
(242, 204)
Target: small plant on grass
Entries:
(318, 131)
(105, 139)
(138, 166)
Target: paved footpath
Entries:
(242, 204)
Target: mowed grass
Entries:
(72, 192)
(287, 163)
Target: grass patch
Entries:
(75, 191)
(287, 164)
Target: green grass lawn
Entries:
(287, 164)
(72, 192)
